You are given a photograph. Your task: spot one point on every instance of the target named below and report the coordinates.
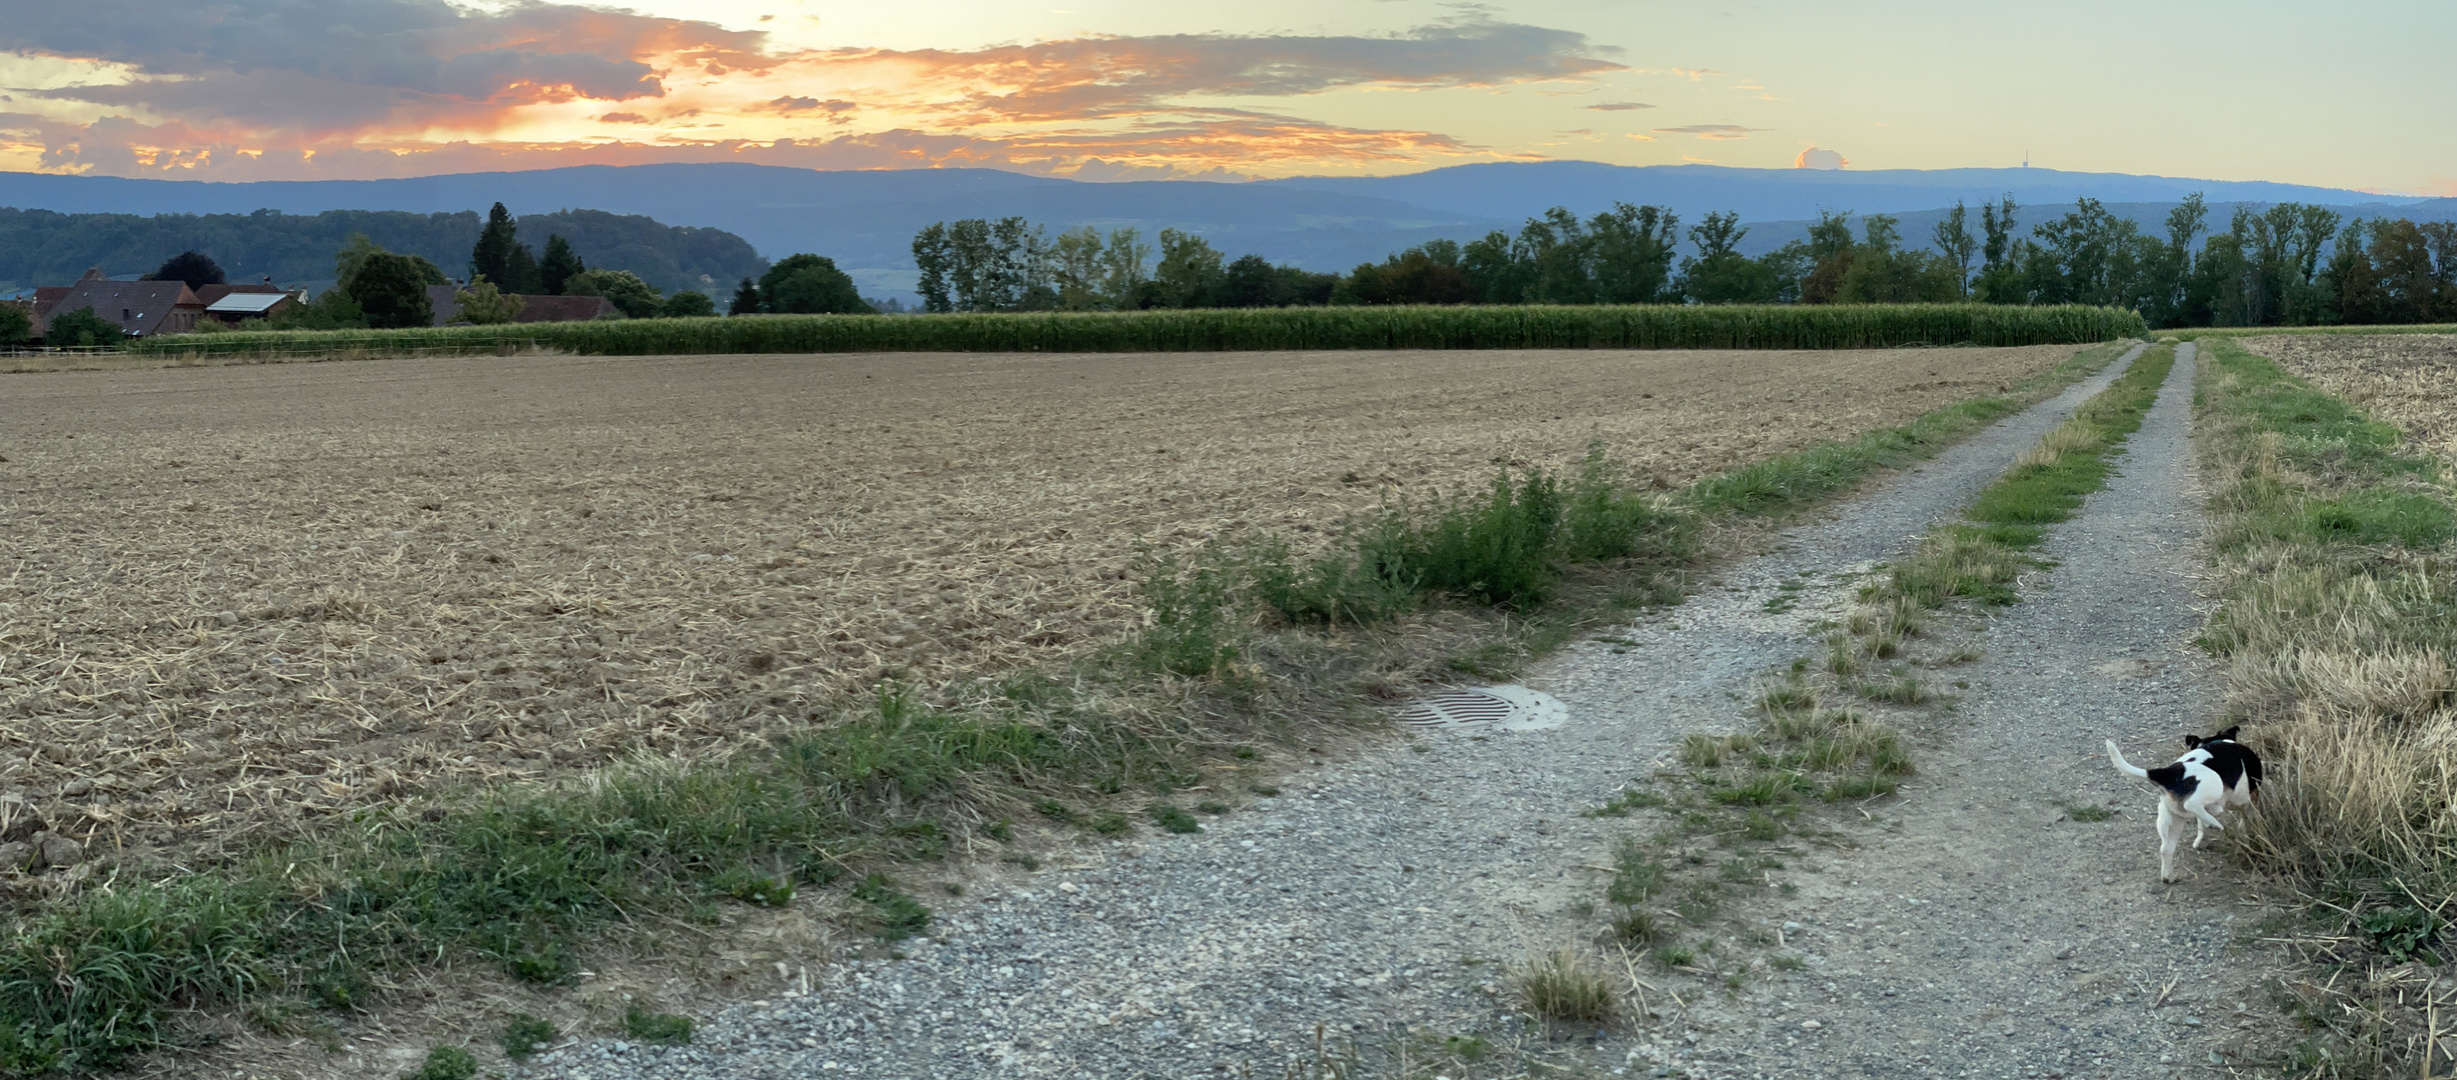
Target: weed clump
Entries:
(656, 1027)
(898, 915)
(447, 1063)
(1566, 986)
(525, 1035)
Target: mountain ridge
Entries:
(865, 219)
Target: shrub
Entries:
(81, 329)
(1192, 609)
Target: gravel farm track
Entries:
(1970, 931)
(665, 555)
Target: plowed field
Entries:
(230, 597)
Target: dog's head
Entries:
(2194, 741)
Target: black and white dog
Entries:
(2214, 774)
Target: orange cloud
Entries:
(396, 87)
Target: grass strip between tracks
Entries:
(2332, 543)
(1752, 793)
(529, 878)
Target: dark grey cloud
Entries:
(376, 57)
(1106, 76)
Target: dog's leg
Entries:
(2170, 830)
(2201, 810)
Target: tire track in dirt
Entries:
(1981, 932)
(1369, 896)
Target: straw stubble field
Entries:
(2407, 380)
(232, 598)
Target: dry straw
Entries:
(239, 599)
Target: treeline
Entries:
(978, 265)
(2288, 264)
(40, 247)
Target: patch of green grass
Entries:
(1172, 819)
(2080, 812)
(1786, 962)
(1897, 688)
(1701, 751)
(759, 890)
(1675, 956)
(1629, 799)
(656, 1027)
(897, 914)
(525, 1035)
(447, 1063)
(1193, 629)
(1858, 788)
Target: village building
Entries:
(138, 308)
(232, 304)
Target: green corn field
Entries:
(1228, 330)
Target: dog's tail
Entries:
(2117, 756)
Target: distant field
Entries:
(235, 596)
(2408, 380)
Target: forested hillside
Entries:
(39, 247)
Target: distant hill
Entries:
(1516, 190)
(866, 220)
(50, 248)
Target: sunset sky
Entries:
(2350, 95)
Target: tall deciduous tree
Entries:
(482, 304)
(1957, 245)
(392, 290)
(1720, 274)
(934, 255)
(622, 288)
(1998, 280)
(810, 285)
(1190, 270)
(195, 268)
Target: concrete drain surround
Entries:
(1502, 708)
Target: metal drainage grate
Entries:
(1509, 708)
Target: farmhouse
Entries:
(533, 309)
(232, 303)
(138, 308)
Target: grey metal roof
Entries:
(247, 303)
